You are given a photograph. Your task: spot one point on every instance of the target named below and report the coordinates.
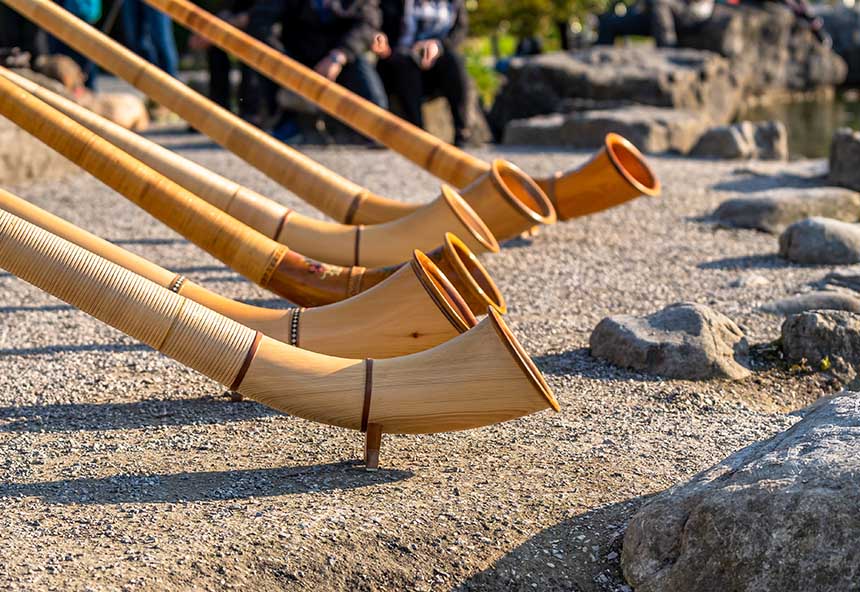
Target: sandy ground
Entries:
(119, 469)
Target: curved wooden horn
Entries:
(413, 310)
(325, 190)
(339, 244)
(615, 174)
(439, 158)
(481, 377)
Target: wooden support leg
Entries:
(372, 443)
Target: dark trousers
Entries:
(219, 82)
(149, 34)
(361, 77)
(412, 85)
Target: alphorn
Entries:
(482, 377)
(415, 309)
(339, 244)
(616, 174)
(271, 265)
(506, 199)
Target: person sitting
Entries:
(418, 56)
(660, 19)
(330, 36)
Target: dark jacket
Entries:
(392, 23)
(308, 37)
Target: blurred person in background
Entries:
(88, 11)
(149, 34)
(418, 50)
(660, 19)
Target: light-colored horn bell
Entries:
(616, 174)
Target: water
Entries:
(810, 123)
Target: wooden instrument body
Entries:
(481, 377)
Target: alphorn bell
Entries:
(573, 193)
(413, 310)
(484, 376)
(271, 265)
(506, 199)
(339, 244)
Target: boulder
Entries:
(821, 241)
(769, 49)
(781, 514)
(764, 140)
(608, 77)
(816, 336)
(843, 25)
(684, 340)
(818, 300)
(779, 208)
(125, 109)
(845, 159)
(651, 129)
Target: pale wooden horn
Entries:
(413, 310)
(339, 244)
(493, 199)
(571, 191)
(481, 377)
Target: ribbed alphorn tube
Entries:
(568, 191)
(478, 378)
(339, 244)
(413, 310)
(265, 262)
(495, 198)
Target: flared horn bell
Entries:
(508, 200)
(615, 174)
(481, 377)
(470, 278)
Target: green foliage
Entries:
(527, 17)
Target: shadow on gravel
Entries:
(749, 181)
(46, 308)
(68, 417)
(578, 362)
(49, 350)
(205, 486)
(150, 241)
(749, 262)
(582, 553)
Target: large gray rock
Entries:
(845, 159)
(818, 300)
(608, 77)
(778, 208)
(843, 25)
(782, 514)
(764, 140)
(821, 241)
(816, 336)
(683, 340)
(651, 129)
(770, 50)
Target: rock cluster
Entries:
(764, 141)
(782, 514)
(778, 208)
(684, 340)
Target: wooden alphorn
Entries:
(339, 244)
(505, 198)
(577, 192)
(484, 376)
(413, 310)
(269, 264)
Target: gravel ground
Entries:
(119, 469)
